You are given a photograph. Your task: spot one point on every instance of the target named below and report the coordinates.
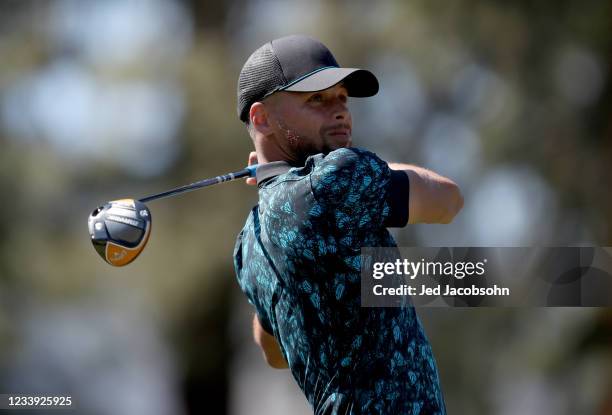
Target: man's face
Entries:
(306, 123)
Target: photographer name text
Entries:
(410, 270)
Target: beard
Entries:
(301, 146)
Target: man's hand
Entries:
(252, 160)
(432, 198)
(271, 350)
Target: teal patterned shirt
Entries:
(297, 259)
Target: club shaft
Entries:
(247, 172)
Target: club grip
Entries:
(252, 169)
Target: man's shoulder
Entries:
(348, 170)
(348, 162)
(343, 157)
(337, 163)
(337, 185)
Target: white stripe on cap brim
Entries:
(358, 82)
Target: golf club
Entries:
(120, 229)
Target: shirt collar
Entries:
(269, 170)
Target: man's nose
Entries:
(341, 111)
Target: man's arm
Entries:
(433, 198)
(269, 346)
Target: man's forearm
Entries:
(433, 198)
(423, 172)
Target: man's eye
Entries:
(316, 98)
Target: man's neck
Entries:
(268, 151)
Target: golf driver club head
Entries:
(120, 230)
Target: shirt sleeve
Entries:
(360, 190)
(248, 286)
(398, 196)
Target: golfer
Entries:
(297, 258)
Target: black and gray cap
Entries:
(296, 63)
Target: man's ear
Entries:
(258, 115)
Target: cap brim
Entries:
(358, 82)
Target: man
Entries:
(297, 258)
